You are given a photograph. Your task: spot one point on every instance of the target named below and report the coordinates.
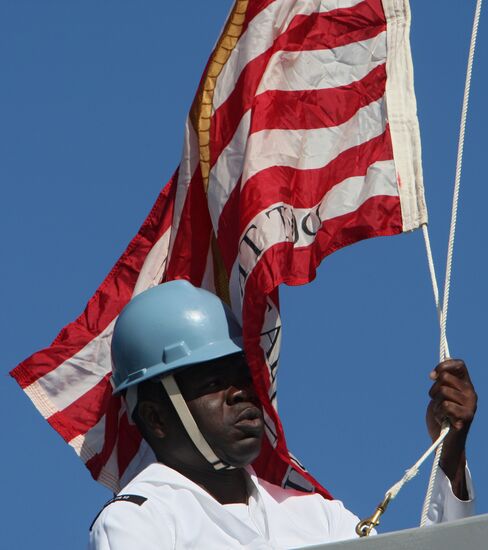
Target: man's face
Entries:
(223, 402)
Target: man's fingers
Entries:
(458, 415)
(442, 392)
(454, 367)
(452, 383)
(449, 380)
(453, 397)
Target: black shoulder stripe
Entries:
(135, 499)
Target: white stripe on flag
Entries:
(110, 474)
(262, 32)
(89, 444)
(208, 279)
(154, 265)
(310, 149)
(323, 69)
(227, 170)
(349, 195)
(77, 375)
(189, 162)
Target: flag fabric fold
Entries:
(303, 138)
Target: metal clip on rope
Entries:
(364, 528)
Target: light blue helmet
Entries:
(168, 327)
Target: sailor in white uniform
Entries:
(178, 356)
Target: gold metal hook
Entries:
(364, 528)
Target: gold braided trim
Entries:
(201, 112)
(201, 116)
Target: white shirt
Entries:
(178, 514)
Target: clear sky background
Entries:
(93, 98)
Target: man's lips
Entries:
(251, 417)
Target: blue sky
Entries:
(93, 101)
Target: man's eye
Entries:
(213, 383)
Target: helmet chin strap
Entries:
(173, 391)
(130, 399)
(182, 410)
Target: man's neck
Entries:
(226, 487)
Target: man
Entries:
(178, 355)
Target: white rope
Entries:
(444, 350)
(433, 475)
(435, 287)
(414, 470)
(364, 528)
(459, 165)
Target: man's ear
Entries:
(152, 417)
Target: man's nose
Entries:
(239, 393)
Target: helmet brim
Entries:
(213, 350)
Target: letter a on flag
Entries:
(302, 138)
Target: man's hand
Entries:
(453, 398)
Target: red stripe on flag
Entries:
(190, 250)
(311, 109)
(229, 228)
(331, 29)
(97, 462)
(129, 442)
(84, 413)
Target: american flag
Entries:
(302, 138)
